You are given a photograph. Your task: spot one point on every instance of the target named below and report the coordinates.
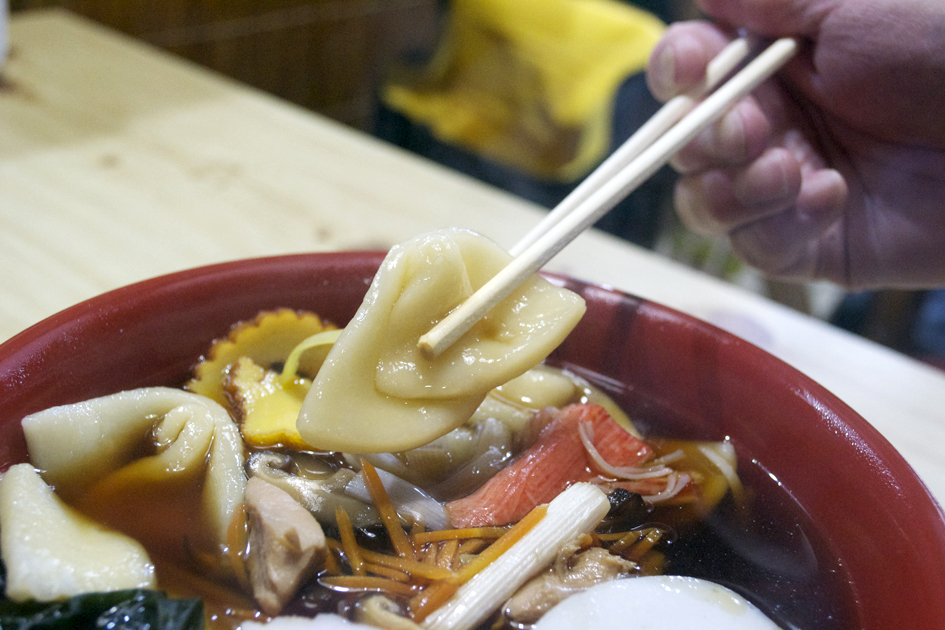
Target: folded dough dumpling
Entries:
(376, 392)
(162, 465)
(51, 552)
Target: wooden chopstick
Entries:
(604, 197)
(667, 116)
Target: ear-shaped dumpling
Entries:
(376, 392)
(50, 552)
(162, 465)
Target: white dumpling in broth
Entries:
(161, 464)
(376, 391)
(50, 552)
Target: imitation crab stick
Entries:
(557, 460)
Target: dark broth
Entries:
(767, 548)
(771, 553)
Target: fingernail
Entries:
(824, 192)
(786, 175)
(725, 139)
(771, 180)
(666, 70)
(731, 135)
(684, 200)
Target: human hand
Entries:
(836, 169)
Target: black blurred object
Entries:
(637, 218)
(912, 322)
(928, 331)
(666, 10)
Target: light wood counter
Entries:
(119, 163)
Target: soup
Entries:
(662, 526)
(667, 386)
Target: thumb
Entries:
(771, 18)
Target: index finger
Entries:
(678, 61)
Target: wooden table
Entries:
(118, 163)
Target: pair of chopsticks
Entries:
(676, 124)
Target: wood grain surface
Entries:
(119, 162)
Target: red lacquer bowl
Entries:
(847, 535)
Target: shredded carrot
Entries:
(348, 543)
(237, 535)
(502, 545)
(586, 540)
(468, 532)
(447, 554)
(387, 572)
(416, 528)
(473, 545)
(422, 552)
(366, 583)
(411, 567)
(430, 599)
(430, 556)
(427, 576)
(331, 561)
(398, 537)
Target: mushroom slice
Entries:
(319, 494)
(571, 573)
(378, 611)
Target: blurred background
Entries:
(463, 82)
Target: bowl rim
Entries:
(61, 322)
(59, 326)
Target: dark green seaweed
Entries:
(135, 609)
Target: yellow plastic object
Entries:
(266, 406)
(529, 83)
(267, 340)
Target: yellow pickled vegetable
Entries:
(267, 340)
(265, 406)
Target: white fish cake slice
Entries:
(656, 602)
